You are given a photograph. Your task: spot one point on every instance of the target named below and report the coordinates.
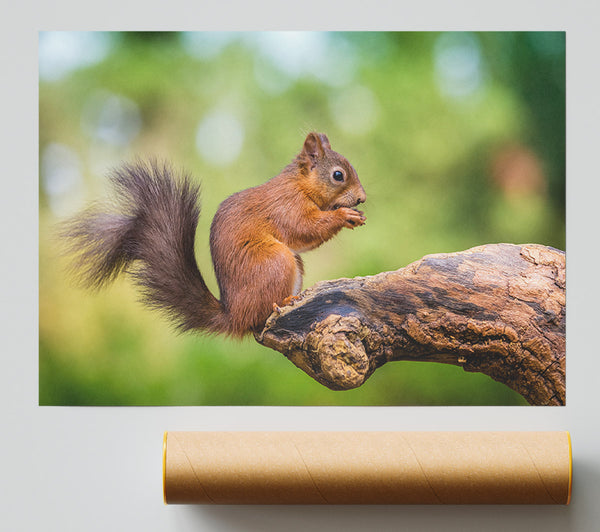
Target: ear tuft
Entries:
(324, 141)
(316, 144)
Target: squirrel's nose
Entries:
(362, 197)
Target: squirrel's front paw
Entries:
(352, 217)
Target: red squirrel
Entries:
(256, 238)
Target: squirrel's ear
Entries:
(315, 145)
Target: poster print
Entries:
(457, 141)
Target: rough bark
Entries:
(498, 309)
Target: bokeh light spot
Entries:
(458, 65)
(111, 118)
(323, 56)
(207, 44)
(61, 52)
(61, 177)
(219, 137)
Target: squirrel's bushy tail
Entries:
(149, 235)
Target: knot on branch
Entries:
(332, 352)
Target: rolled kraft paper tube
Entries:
(367, 467)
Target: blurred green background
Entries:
(458, 138)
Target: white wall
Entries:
(100, 468)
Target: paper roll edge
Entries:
(164, 467)
(570, 468)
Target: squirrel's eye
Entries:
(338, 176)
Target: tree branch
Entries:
(498, 309)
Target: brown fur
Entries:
(256, 238)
